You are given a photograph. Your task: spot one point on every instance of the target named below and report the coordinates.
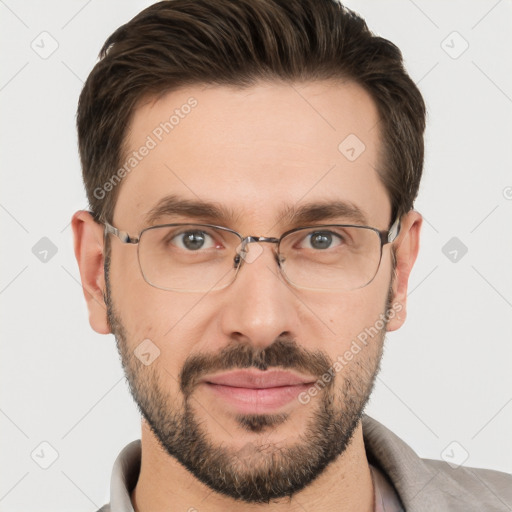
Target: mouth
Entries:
(257, 392)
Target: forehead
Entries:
(256, 152)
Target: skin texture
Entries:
(253, 151)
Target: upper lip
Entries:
(257, 379)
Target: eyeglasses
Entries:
(205, 257)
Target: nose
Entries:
(259, 306)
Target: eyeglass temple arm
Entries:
(122, 235)
(394, 231)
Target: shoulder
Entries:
(483, 485)
(425, 484)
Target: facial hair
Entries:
(257, 473)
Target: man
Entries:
(251, 168)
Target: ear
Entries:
(407, 247)
(88, 244)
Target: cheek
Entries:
(145, 311)
(174, 322)
(351, 317)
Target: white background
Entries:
(446, 374)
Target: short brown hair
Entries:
(176, 43)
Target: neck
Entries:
(165, 485)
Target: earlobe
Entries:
(88, 247)
(407, 247)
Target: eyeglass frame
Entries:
(385, 236)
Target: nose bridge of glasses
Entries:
(242, 249)
(253, 239)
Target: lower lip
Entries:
(257, 401)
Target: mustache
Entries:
(283, 353)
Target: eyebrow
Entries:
(209, 212)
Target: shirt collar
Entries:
(124, 477)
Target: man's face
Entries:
(253, 152)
